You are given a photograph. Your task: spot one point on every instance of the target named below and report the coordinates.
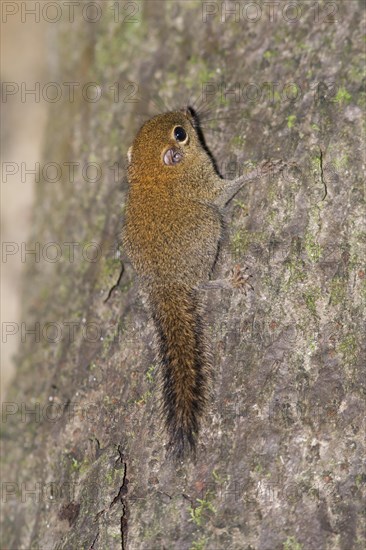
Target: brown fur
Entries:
(171, 234)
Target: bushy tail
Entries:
(185, 364)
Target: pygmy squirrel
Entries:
(172, 232)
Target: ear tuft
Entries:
(187, 111)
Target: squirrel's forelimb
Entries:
(230, 188)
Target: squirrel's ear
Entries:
(191, 114)
(129, 154)
(186, 111)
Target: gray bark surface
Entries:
(280, 459)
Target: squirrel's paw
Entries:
(239, 279)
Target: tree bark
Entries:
(279, 460)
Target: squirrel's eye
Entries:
(180, 134)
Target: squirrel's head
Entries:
(168, 147)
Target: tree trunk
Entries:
(279, 460)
